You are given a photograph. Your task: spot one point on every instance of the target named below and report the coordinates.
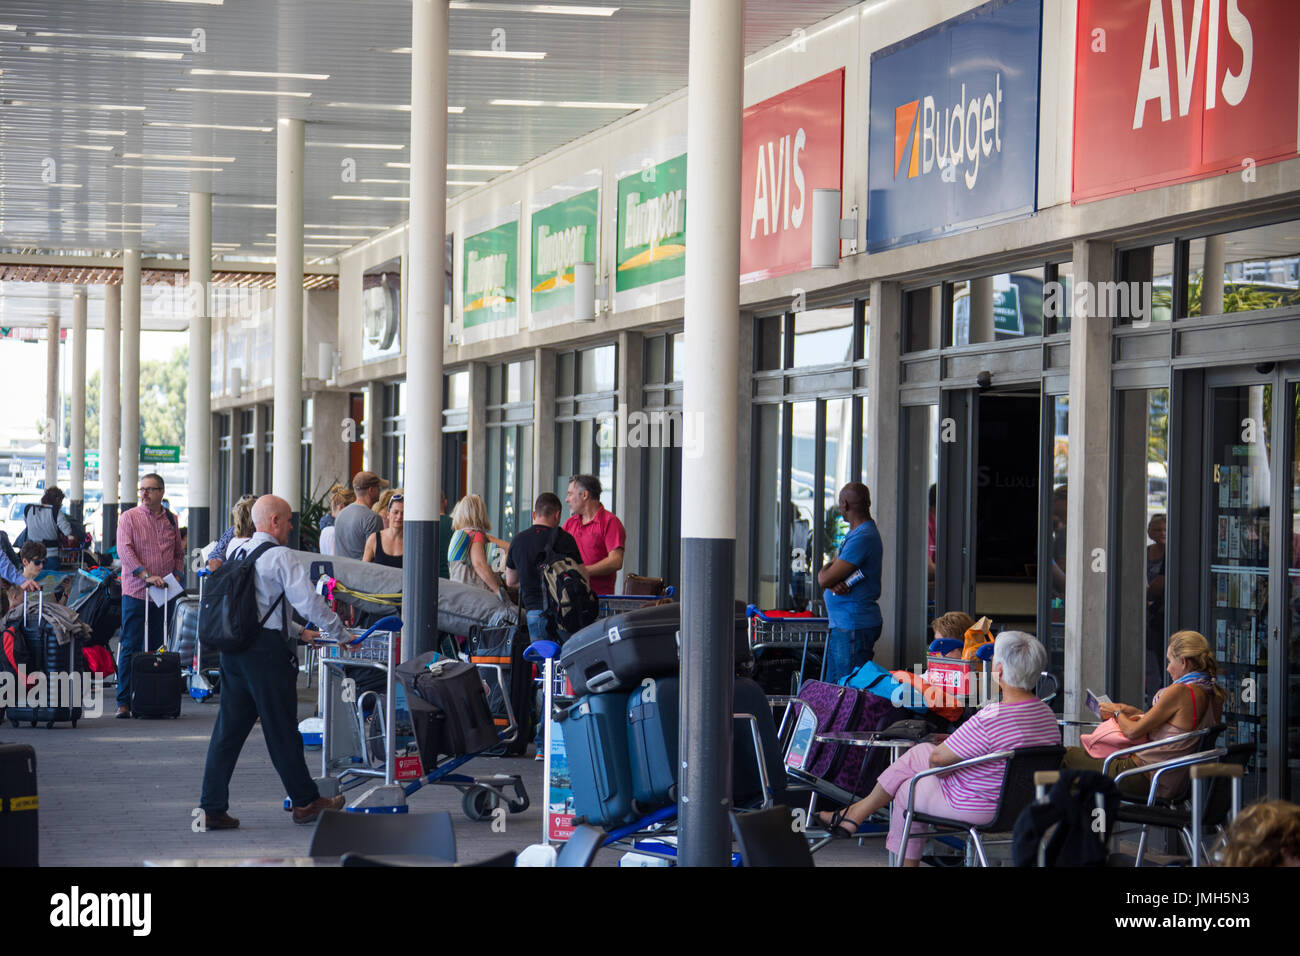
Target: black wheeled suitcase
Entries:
(58, 698)
(653, 719)
(448, 706)
(504, 647)
(156, 682)
(19, 833)
(596, 748)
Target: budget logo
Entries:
(951, 137)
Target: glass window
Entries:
(597, 371)
(1142, 474)
(823, 337)
(918, 527)
(679, 357)
(1148, 272)
(838, 442)
(1058, 300)
(767, 507)
(768, 347)
(803, 482)
(997, 308)
(1244, 271)
(495, 394)
(922, 312)
(457, 389)
(564, 380)
(656, 361)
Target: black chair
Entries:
(769, 838)
(581, 847)
(1215, 810)
(384, 834)
(1017, 793)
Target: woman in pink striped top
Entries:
(1019, 719)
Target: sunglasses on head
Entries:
(396, 498)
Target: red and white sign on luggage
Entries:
(955, 676)
(1168, 91)
(792, 144)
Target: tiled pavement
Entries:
(119, 792)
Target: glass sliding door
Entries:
(1241, 459)
(1290, 637)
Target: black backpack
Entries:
(568, 593)
(1073, 827)
(228, 619)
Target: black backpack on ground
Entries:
(1073, 827)
(566, 589)
(228, 618)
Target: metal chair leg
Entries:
(907, 835)
(979, 847)
(1142, 846)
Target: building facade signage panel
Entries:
(1168, 91)
(650, 245)
(954, 126)
(490, 270)
(564, 230)
(793, 143)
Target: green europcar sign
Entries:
(563, 234)
(491, 275)
(160, 454)
(651, 240)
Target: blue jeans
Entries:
(848, 648)
(259, 682)
(132, 639)
(539, 627)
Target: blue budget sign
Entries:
(954, 126)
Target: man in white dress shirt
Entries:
(262, 681)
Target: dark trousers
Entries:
(132, 641)
(259, 682)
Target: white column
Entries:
(130, 376)
(50, 431)
(110, 409)
(713, 124)
(77, 419)
(286, 482)
(198, 398)
(424, 325)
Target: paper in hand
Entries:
(161, 596)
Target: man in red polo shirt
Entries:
(599, 534)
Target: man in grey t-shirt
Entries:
(356, 523)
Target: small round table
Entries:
(866, 738)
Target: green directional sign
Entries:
(92, 458)
(160, 454)
(1006, 311)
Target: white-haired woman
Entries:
(971, 794)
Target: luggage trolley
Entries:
(359, 739)
(785, 630)
(611, 604)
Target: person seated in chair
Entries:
(1193, 701)
(971, 794)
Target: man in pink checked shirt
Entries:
(149, 545)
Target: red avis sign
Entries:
(792, 144)
(1168, 91)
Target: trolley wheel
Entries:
(49, 725)
(519, 805)
(479, 803)
(33, 723)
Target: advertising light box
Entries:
(1168, 91)
(954, 126)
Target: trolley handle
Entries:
(391, 623)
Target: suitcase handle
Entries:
(599, 683)
(40, 607)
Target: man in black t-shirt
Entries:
(524, 564)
